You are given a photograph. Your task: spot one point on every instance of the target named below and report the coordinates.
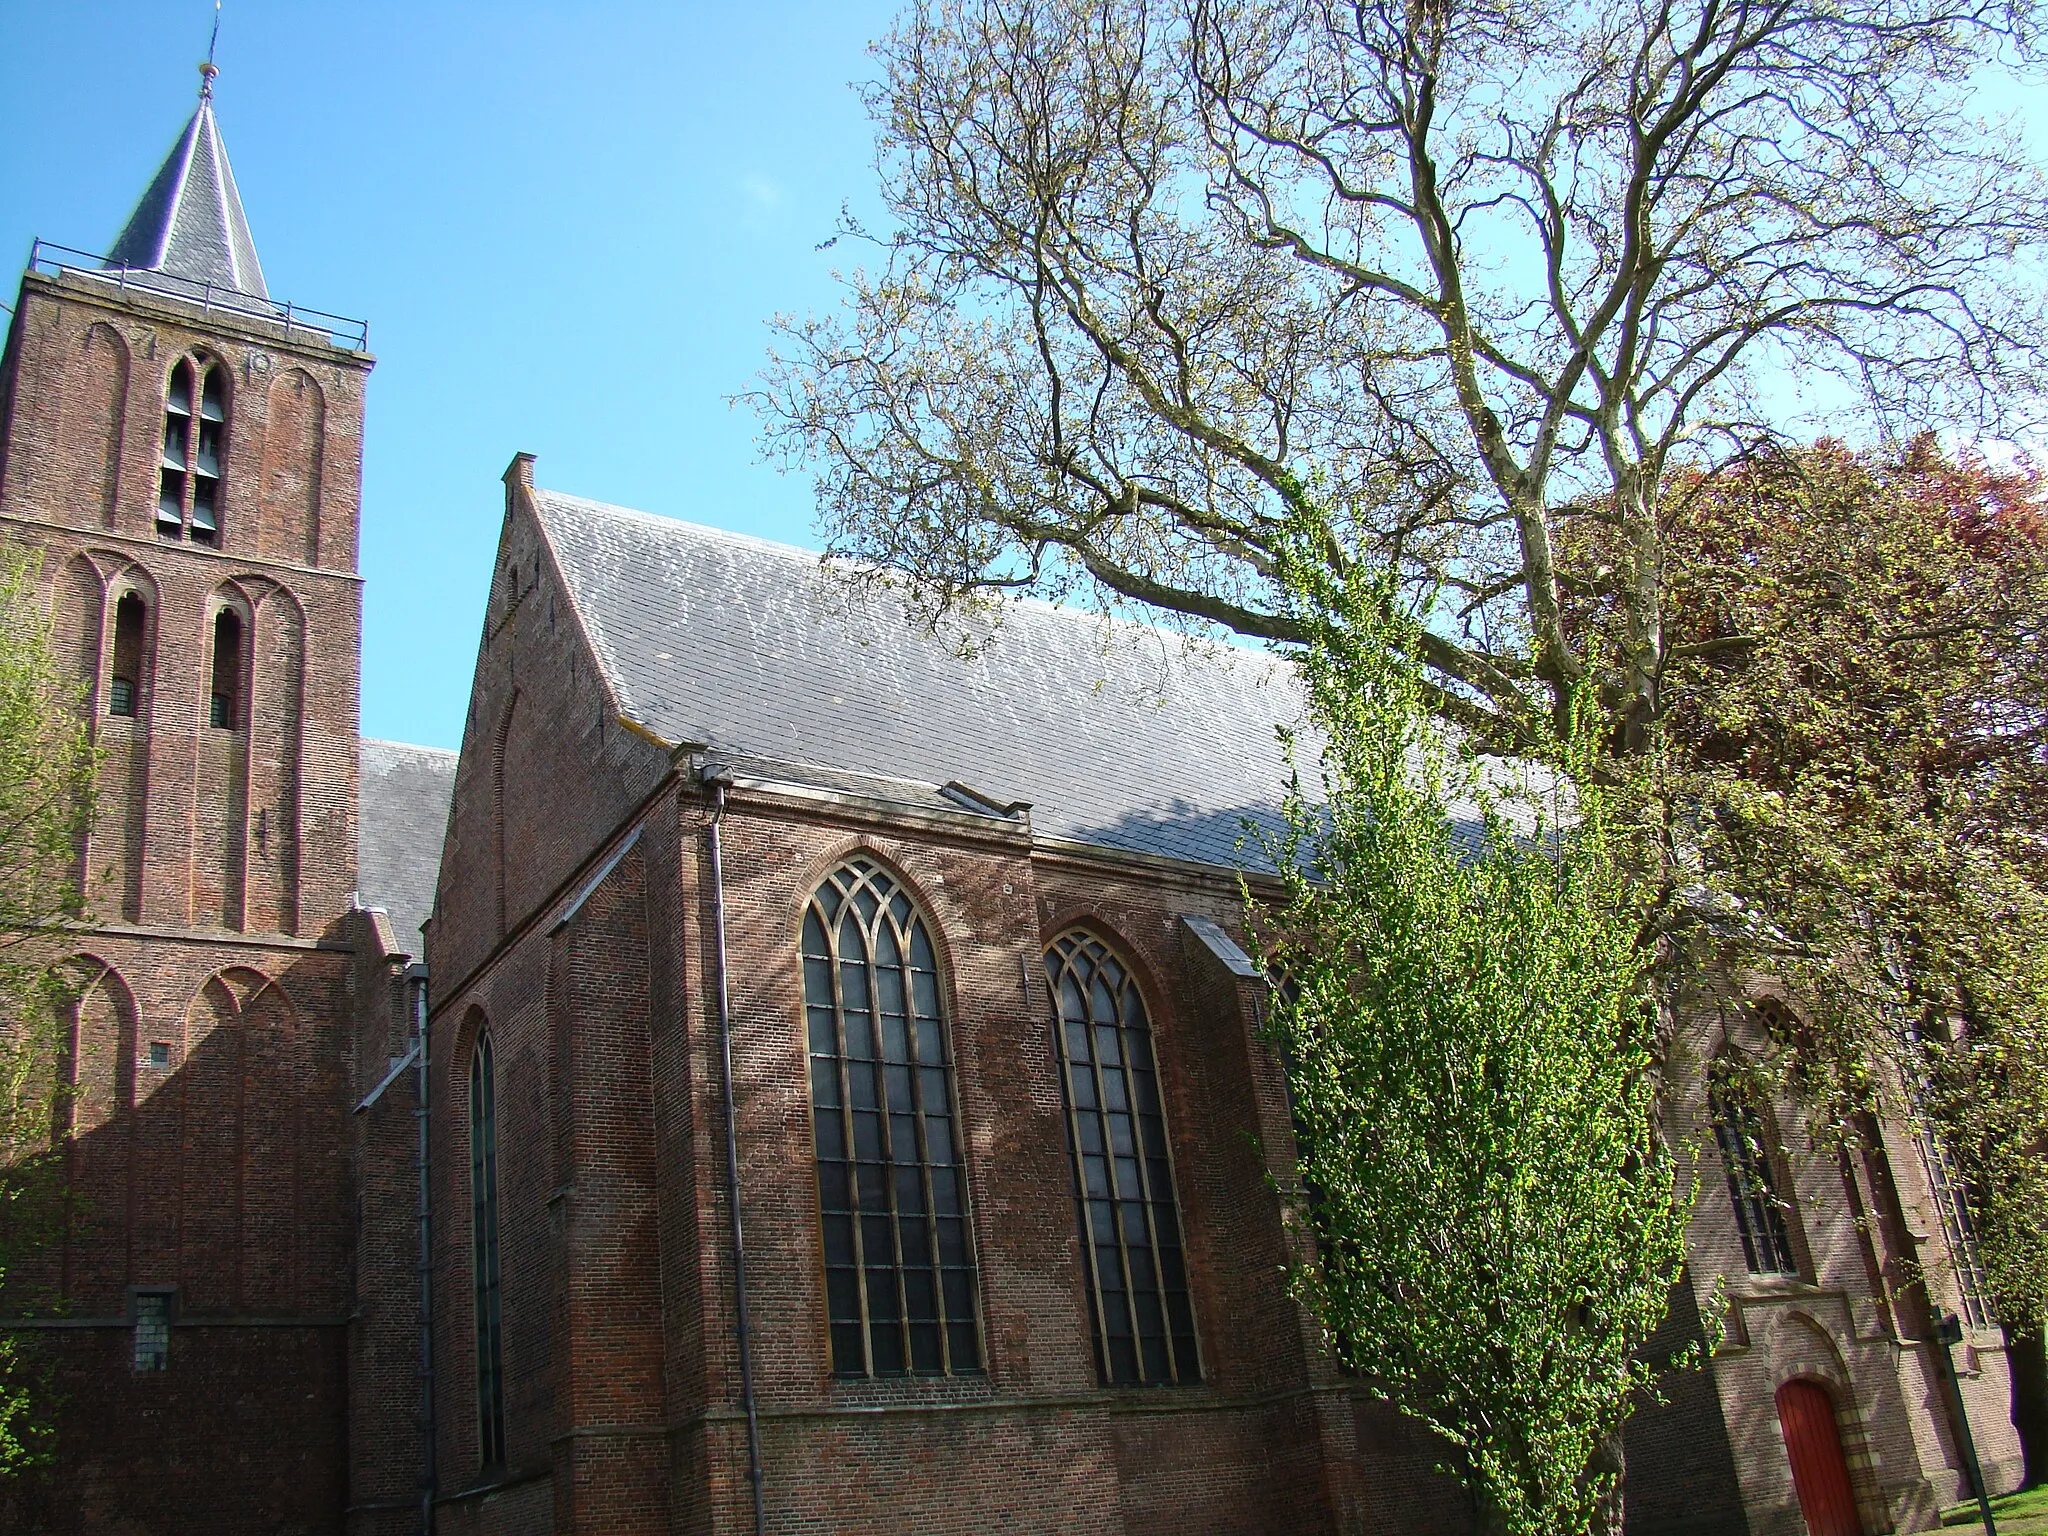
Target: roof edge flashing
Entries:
(987, 805)
(1221, 945)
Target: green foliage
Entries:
(47, 762)
(1856, 725)
(1473, 1033)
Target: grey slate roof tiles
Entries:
(189, 227)
(1117, 734)
(401, 817)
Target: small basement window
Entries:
(152, 1331)
(126, 688)
(224, 705)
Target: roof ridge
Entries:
(408, 746)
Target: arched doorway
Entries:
(1820, 1472)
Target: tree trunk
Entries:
(2027, 1358)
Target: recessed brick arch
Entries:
(92, 1052)
(288, 491)
(473, 1023)
(221, 658)
(1801, 1349)
(98, 1021)
(242, 1139)
(274, 708)
(95, 411)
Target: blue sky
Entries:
(566, 225)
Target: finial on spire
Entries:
(208, 70)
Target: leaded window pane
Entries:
(1752, 1188)
(899, 1269)
(1959, 1228)
(1140, 1320)
(483, 1191)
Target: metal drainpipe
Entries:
(418, 977)
(732, 1157)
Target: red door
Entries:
(1819, 1470)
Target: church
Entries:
(796, 1069)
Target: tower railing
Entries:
(337, 330)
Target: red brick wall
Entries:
(622, 1378)
(252, 829)
(621, 1367)
(219, 872)
(223, 1175)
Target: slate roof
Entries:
(1118, 735)
(189, 229)
(401, 816)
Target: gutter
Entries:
(417, 976)
(717, 780)
(417, 1058)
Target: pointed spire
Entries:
(189, 225)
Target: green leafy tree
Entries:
(1858, 735)
(47, 763)
(1473, 1050)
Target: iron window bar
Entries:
(900, 1277)
(1746, 1158)
(1133, 1255)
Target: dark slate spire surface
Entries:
(189, 226)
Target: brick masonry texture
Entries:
(231, 1007)
(576, 925)
(256, 1174)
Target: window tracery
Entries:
(892, 1199)
(1139, 1311)
(1746, 1158)
(483, 1191)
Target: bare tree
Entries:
(1446, 277)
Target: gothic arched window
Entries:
(131, 620)
(1138, 1309)
(483, 1223)
(892, 1198)
(195, 435)
(1959, 1227)
(1752, 1185)
(224, 698)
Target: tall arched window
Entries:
(1752, 1186)
(224, 699)
(130, 621)
(1959, 1227)
(1139, 1313)
(483, 1226)
(899, 1268)
(195, 434)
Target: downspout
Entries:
(417, 975)
(718, 780)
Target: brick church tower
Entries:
(186, 454)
